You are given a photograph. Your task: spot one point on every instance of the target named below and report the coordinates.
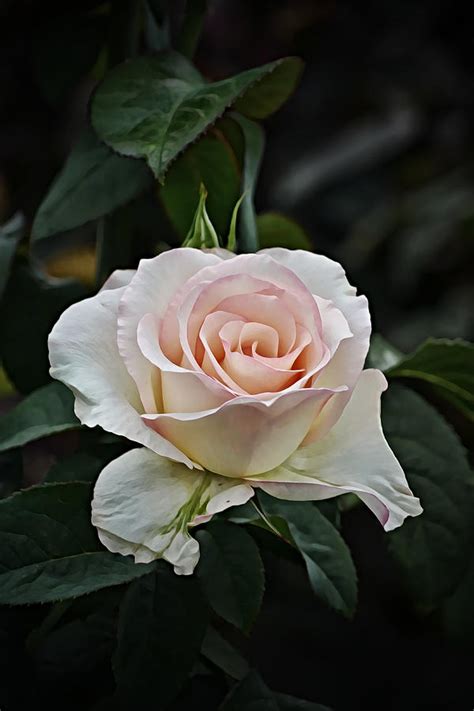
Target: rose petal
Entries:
(151, 290)
(244, 436)
(182, 390)
(327, 279)
(354, 456)
(84, 355)
(118, 278)
(143, 505)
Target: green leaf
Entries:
(265, 98)
(154, 107)
(254, 139)
(290, 703)
(382, 354)
(275, 230)
(210, 162)
(432, 548)
(327, 558)
(202, 234)
(231, 572)
(31, 305)
(162, 623)
(50, 551)
(252, 694)
(93, 182)
(223, 655)
(46, 411)
(10, 235)
(448, 365)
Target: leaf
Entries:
(10, 235)
(448, 365)
(327, 558)
(218, 651)
(254, 144)
(252, 694)
(162, 623)
(290, 703)
(93, 182)
(154, 107)
(275, 230)
(432, 548)
(30, 307)
(231, 572)
(265, 98)
(46, 411)
(210, 162)
(50, 551)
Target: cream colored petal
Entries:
(353, 457)
(144, 504)
(84, 355)
(244, 436)
(327, 279)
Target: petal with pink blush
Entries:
(182, 390)
(256, 377)
(84, 355)
(150, 291)
(118, 278)
(353, 457)
(244, 436)
(325, 278)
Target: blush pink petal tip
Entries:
(353, 457)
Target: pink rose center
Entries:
(249, 334)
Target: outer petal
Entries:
(244, 436)
(354, 456)
(326, 278)
(118, 278)
(84, 355)
(151, 290)
(143, 505)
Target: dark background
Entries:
(374, 157)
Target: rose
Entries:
(234, 373)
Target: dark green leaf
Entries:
(93, 182)
(162, 623)
(290, 703)
(48, 410)
(432, 548)
(328, 560)
(231, 572)
(265, 98)
(154, 107)
(10, 235)
(210, 162)
(81, 466)
(448, 365)
(11, 472)
(254, 139)
(31, 306)
(50, 551)
(252, 694)
(275, 230)
(218, 651)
